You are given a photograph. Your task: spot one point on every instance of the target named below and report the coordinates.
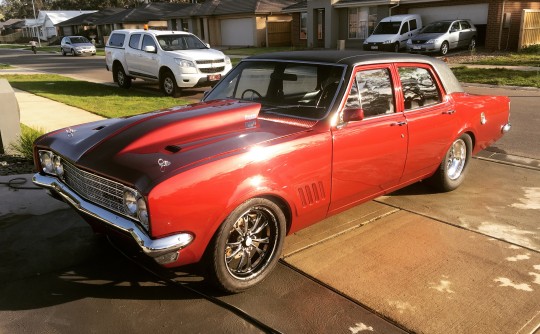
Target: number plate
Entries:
(374, 47)
(415, 47)
(214, 77)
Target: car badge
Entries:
(70, 132)
(163, 163)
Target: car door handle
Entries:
(399, 123)
(449, 112)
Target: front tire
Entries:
(247, 246)
(396, 47)
(454, 167)
(63, 52)
(120, 76)
(168, 85)
(444, 48)
(472, 44)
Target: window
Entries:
(362, 21)
(303, 79)
(134, 41)
(117, 40)
(303, 25)
(404, 28)
(419, 87)
(455, 26)
(148, 41)
(412, 24)
(372, 92)
(320, 20)
(465, 25)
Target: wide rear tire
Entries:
(247, 246)
(455, 165)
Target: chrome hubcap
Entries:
(251, 243)
(456, 159)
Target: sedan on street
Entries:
(77, 46)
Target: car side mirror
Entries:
(150, 49)
(353, 114)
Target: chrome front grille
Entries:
(211, 61)
(96, 189)
(212, 69)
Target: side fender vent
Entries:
(311, 194)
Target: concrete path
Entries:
(48, 115)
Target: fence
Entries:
(11, 38)
(279, 33)
(529, 33)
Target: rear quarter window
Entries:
(117, 40)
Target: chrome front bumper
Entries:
(151, 247)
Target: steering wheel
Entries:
(253, 93)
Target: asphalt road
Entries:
(414, 261)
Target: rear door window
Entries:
(117, 40)
(134, 41)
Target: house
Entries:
(152, 15)
(44, 24)
(85, 24)
(322, 23)
(254, 23)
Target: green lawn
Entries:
(2, 66)
(498, 76)
(104, 100)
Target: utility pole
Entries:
(35, 23)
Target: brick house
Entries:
(322, 23)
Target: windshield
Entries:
(437, 27)
(387, 28)
(180, 42)
(76, 40)
(284, 88)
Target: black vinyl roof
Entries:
(354, 57)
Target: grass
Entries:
(498, 76)
(23, 145)
(104, 100)
(529, 56)
(4, 66)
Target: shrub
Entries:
(23, 145)
(532, 49)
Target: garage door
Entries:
(238, 32)
(477, 13)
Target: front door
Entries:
(369, 154)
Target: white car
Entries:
(77, 46)
(175, 59)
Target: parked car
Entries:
(392, 33)
(282, 141)
(442, 36)
(175, 59)
(77, 46)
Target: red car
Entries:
(282, 141)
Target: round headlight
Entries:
(57, 165)
(130, 202)
(45, 158)
(142, 212)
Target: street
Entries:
(413, 261)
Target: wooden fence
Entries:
(529, 33)
(279, 33)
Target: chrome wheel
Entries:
(121, 77)
(456, 159)
(251, 242)
(444, 48)
(454, 165)
(247, 246)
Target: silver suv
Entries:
(175, 59)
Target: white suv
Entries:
(175, 59)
